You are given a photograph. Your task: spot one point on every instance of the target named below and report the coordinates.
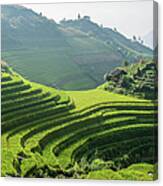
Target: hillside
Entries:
(71, 55)
(126, 47)
(139, 79)
(75, 134)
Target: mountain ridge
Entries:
(78, 57)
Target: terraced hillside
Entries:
(139, 79)
(75, 134)
(74, 55)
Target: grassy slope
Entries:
(65, 70)
(140, 80)
(10, 149)
(88, 98)
(139, 172)
(66, 58)
(61, 127)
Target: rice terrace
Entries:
(79, 100)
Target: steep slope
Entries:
(71, 134)
(111, 37)
(23, 28)
(139, 79)
(62, 55)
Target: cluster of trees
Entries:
(78, 17)
(139, 39)
(139, 80)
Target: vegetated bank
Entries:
(75, 134)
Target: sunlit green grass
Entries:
(91, 97)
(34, 137)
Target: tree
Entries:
(63, 20)
(126, 63)
(79, 17)
(88, 18)
(142, 41)
(126, 82)
(134, 37)
(115, 29)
